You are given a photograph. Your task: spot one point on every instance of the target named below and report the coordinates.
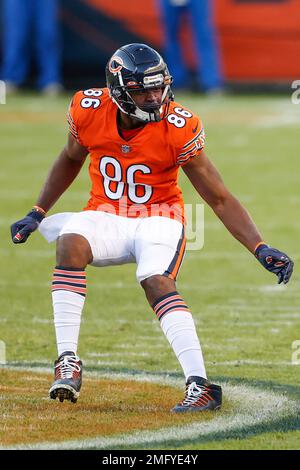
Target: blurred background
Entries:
(253, 43)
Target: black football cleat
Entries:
(67, 377)
(200, 395)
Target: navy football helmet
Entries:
(137, 67)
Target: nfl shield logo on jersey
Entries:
(126, 148)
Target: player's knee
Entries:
(73, 250)
(157, 286)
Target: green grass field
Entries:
(247, 325)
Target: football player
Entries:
(137, 138)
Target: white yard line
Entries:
(250, 407)
(117, 354)
(269, 122)
(273, 289)
(250, 362)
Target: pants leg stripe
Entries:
(175, 264)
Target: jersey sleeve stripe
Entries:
(184, 160)
(71, 122)
(191, 150)
(193, 139)
(70, 119)
(72, 127)
(74, 133)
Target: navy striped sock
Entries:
(169, 303)
(70, 279)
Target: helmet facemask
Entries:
(149, 112)
(137, 67)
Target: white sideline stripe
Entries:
(105, 363)
(20, 193)
(251, 407)
(46, 321)
(259, 323)
(243, 306)
(115, 353)
(268, 289)
(91, 363)
(190, 255)
(287, 119)
(290, 315)
(30, 253)
(273, 289)
(248, 323)
(250, 362)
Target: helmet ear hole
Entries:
(137, 65)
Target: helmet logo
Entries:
(115, 64)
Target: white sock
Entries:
(67, 307)
(179, 329)
(178, 326)
(68, 295)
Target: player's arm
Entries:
(63, 172)
(210, 186)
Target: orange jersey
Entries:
(136, 177)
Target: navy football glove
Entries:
(276, 262)
(21, 229)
